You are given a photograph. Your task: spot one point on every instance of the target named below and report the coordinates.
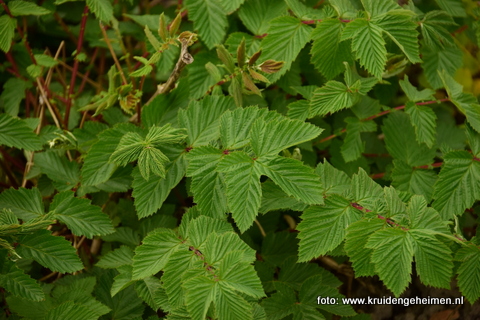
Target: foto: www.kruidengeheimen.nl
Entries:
(389, 300)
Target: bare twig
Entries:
(184, 59)
(112, 52)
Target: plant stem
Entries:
(75, 66)
(262, 231)
(112, 52)
(379, 115)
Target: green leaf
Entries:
(96, 168)
(273, 198)
(220, 246)
(235, 126)
(473, 140)
(129, 149)
(20, 284)
(427, 218)
(377, 9)
(179, 262)
(116, 258)
(209, 18)
(353, 146)
(123, 235)
(299, 110)
(323, 228)
(436, 60)
(25, 8)
(400, 140)
(13, 94)
(145, 20)
(7, 31)
(153, 254)
(124, 305)
(294, 178)
(122, 280)
(365, 191)
(423, 119)
(400, 27)
(257, 14)
(202, 119)
(16, 133)
(469, 271)
(355, 245)
(303, 11)
(332, 97)
(433, 27)
(244, 191)
(80, 216)
(413, 93)
(433, 260)
(200, 294)
(465, 102)
(458, 184)
(45, 60)
(333, 180)
(368, 45)
(314, 287)
(26, 204)
(393, 257)
(152, 160)
(142, 71)
(394, 204)
(282, 303)
(269, 138)
(59, 169)
(208, 186)
(232, 5)
(52, 252)
(410, 179)
(70, 310)
(151, 291)
(150, 195)
(286, 37)
(230, 305)
(103, 9)
(159, 136)
(454, 8)
(328, 53)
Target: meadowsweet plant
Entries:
(228, 159)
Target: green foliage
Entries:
(205, 159)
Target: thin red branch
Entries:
(377, 175)
(7, 10)
(459, 30)
(429, 166)
(330, 137)
(379, 115)
(75, 67)
(261, 36)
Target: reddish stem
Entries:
(379, 115)
(75, 66)
(428, 166)
(377, 175)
